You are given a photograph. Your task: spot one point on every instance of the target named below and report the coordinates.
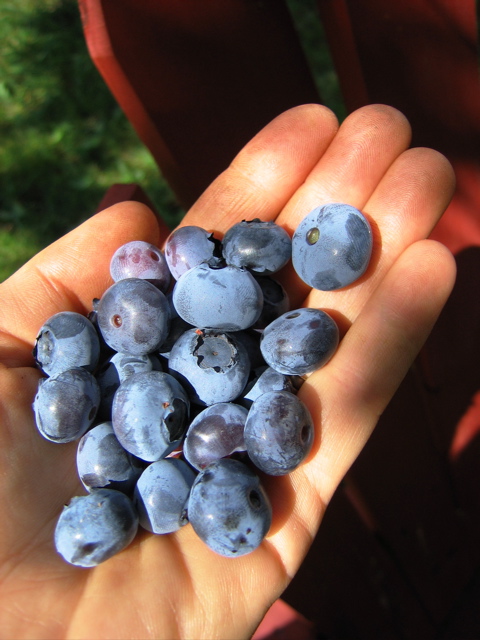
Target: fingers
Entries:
(268, 171)
(297, 163)
(403, 192)
(67, 275)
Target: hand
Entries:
(174, 586)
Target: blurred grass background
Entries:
(63, 138)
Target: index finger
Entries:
(67, 275)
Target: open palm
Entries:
(174, 586)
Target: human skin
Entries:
(174, 586)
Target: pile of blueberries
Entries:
(180, 386)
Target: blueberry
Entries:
(331, 247)
(216, 432)
(299, 341)
(262, 247)
(227, 299)
(189, 246)
(66, 404)
(275, 301)
(150, 414)
(278, 432)
(232, 348)
(250, 340)
(177, 327)
(139, 259)
(66, 340)
(212, 366)
(93, 528)
(228, 508)
(161, 495)
(133, 316)
(103, 463)
(127, 365)
(105, 351)
(116, 370)
(268, 380)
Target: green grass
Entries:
(312, 37)
(64, 140)
(16, 247)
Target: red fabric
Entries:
(282, 622)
